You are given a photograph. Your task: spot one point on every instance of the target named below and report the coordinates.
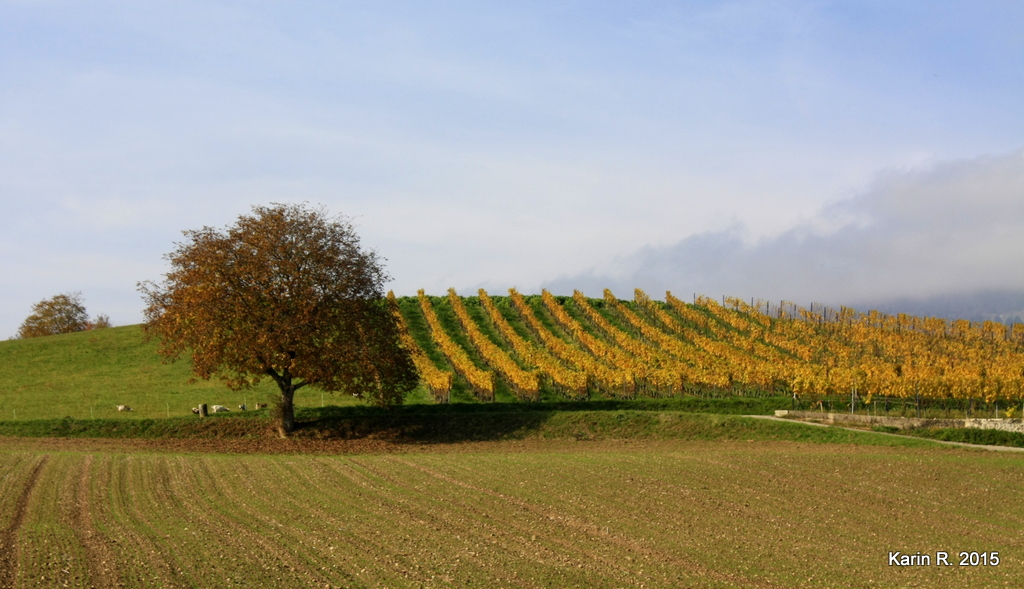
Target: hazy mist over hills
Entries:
(946, 240)
(1001, 306)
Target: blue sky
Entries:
(520, 144)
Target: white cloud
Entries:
(950, 228)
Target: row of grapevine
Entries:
(524, 383)
(653, 369)
(617, 370)
(573, 383)
(605, 378)
(481, 381)
(439, 382)
(648, 347)
(704, 369)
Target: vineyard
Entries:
(577, 347)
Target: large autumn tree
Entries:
(286, 293)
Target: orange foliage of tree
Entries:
(285, 293)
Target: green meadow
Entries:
(88, 374)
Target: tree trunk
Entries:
(288, 409)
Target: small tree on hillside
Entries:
(286, 293)
(100, 322)
(64, 313)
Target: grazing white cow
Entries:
(261, 406)
(195, 410)
(124, 408)
(219, 409)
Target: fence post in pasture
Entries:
(203, 412)
(853, 398)
(168, 409)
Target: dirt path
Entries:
(9, 549)
(853, 429)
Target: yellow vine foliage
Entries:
(732, 359)
(607, 378)
(698, 366)
(525, 384)
(621, 373)
(763, 364)
(650, 366)
(572, 382)
(874, 354)
(438, 381)
(739, 346)
(481, 381)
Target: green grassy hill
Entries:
(87, 374)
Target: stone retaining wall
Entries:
(1010, 425)
(1006, 425)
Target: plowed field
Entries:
(538, 514)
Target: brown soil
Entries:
(535, 513)
(316, 447)
(98, 553)
(9, 537)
